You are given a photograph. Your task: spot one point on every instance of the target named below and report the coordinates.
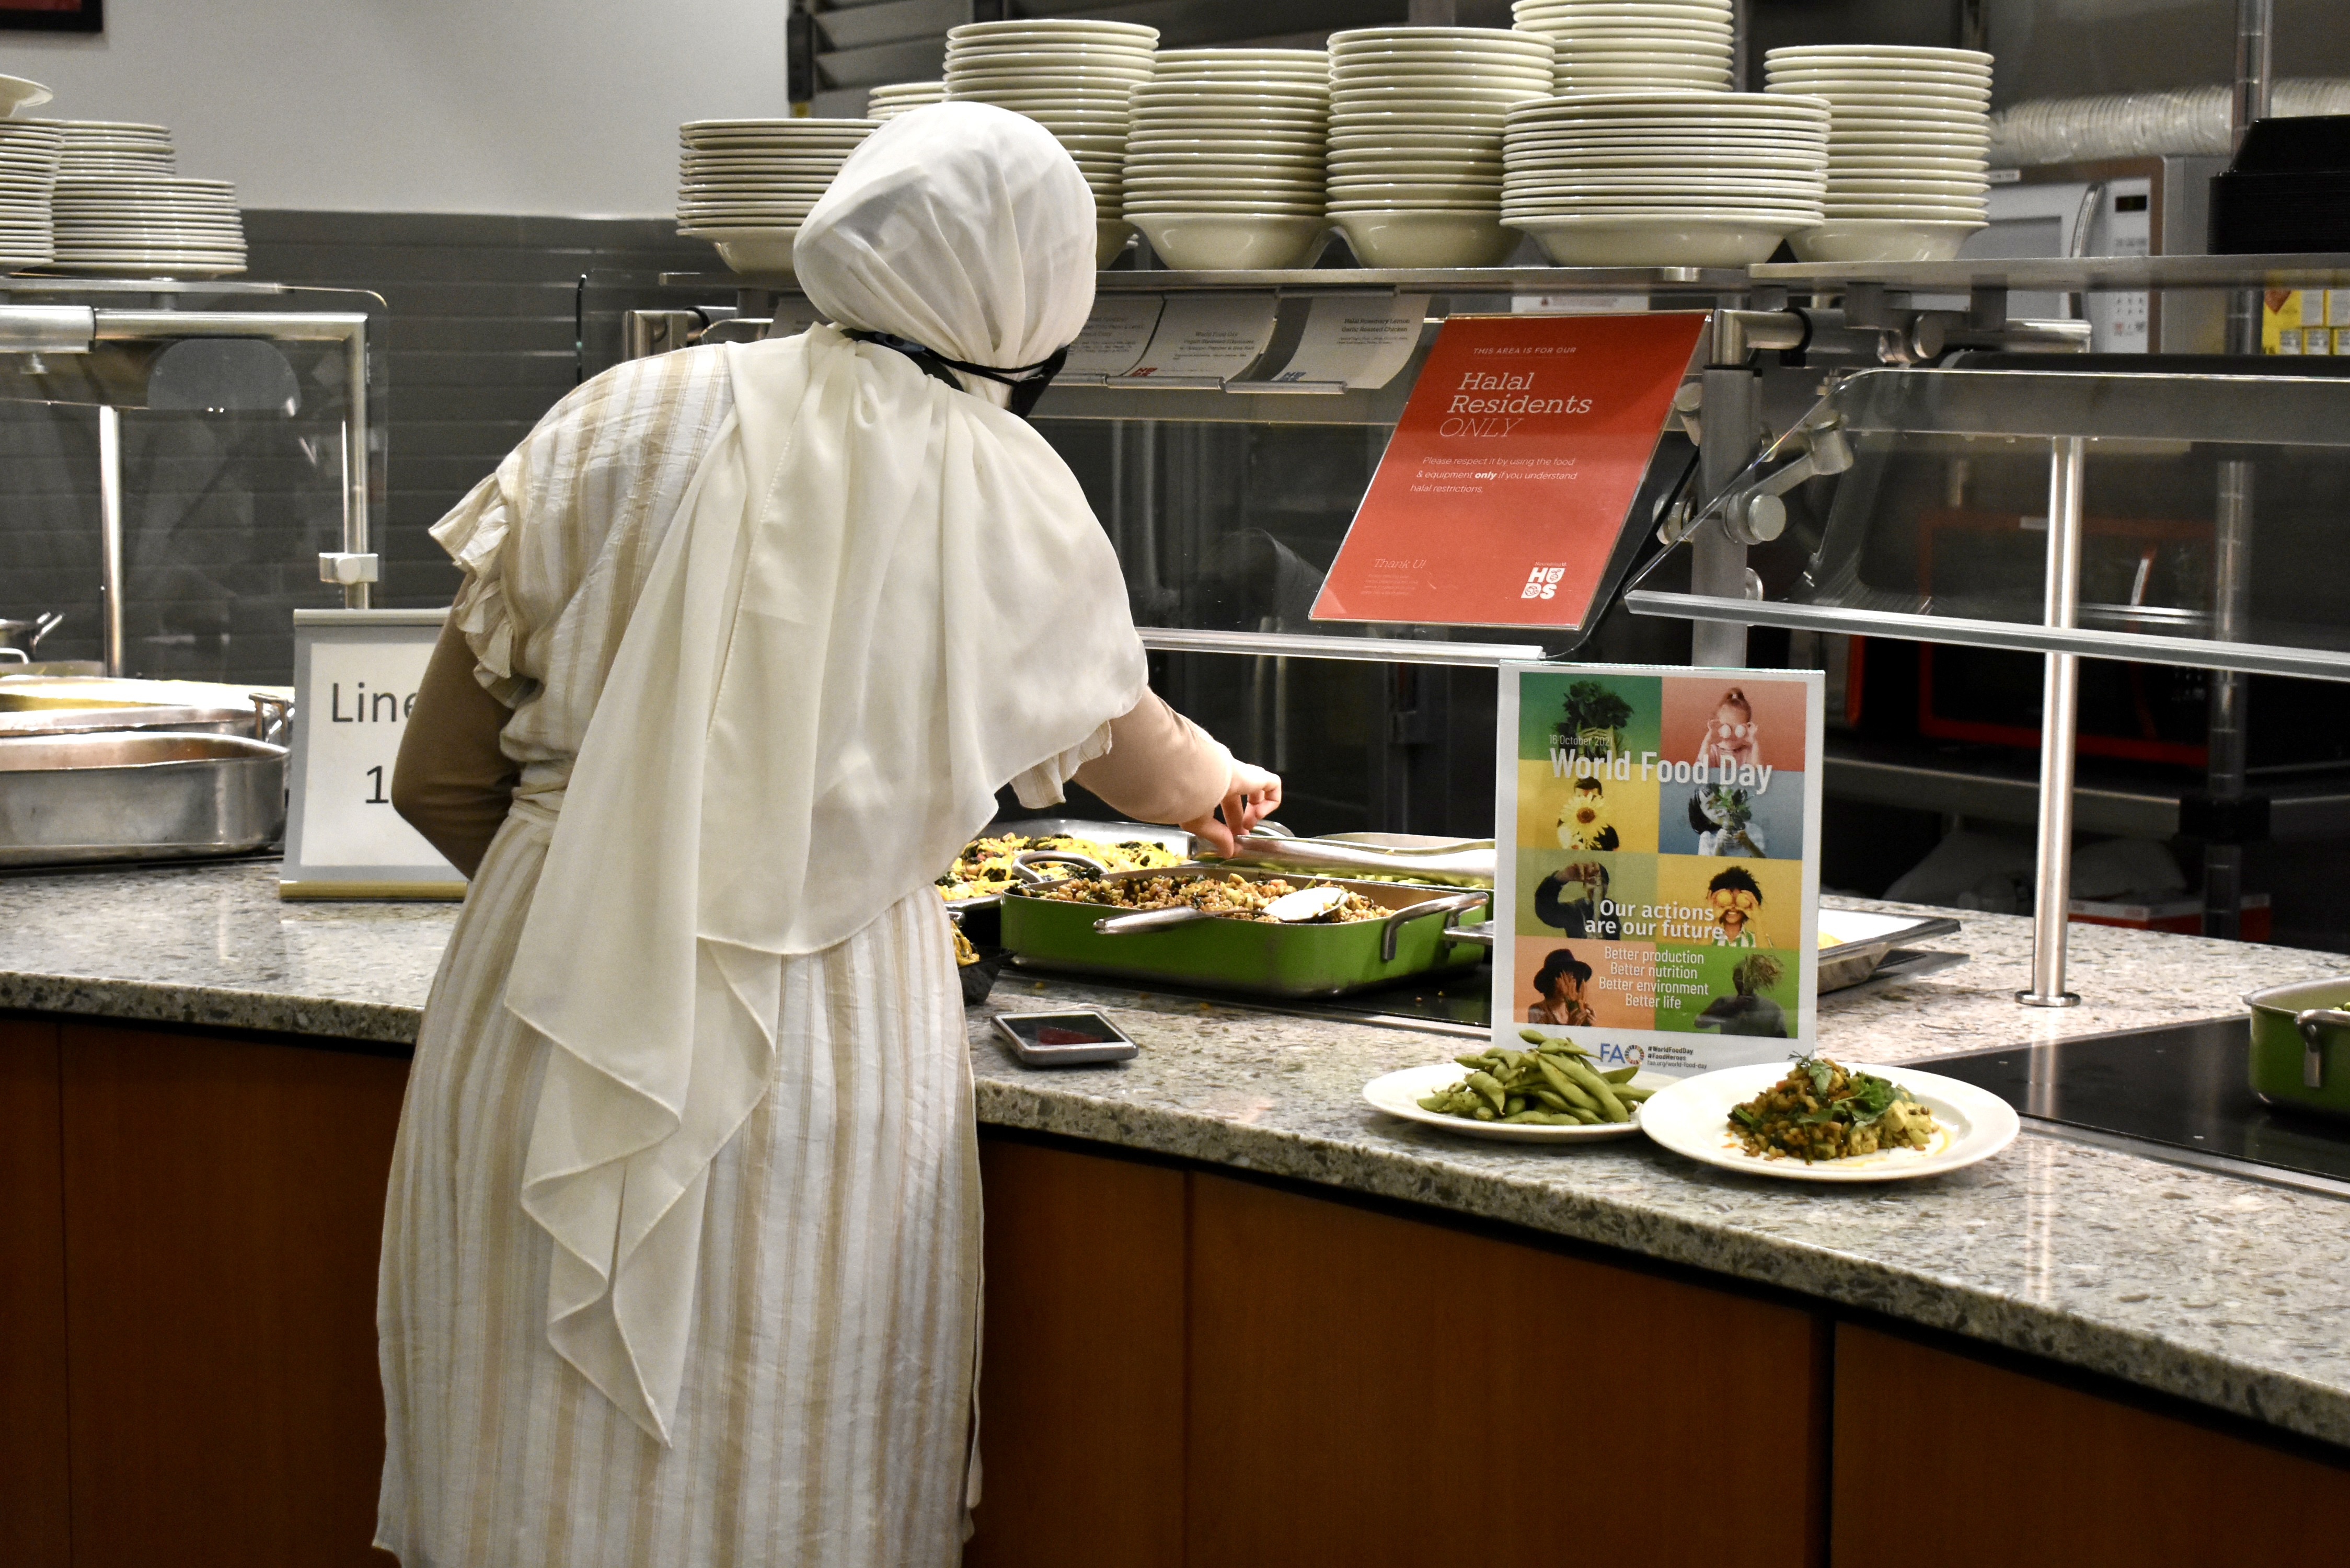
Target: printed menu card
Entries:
(1511, 477)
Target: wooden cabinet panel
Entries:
(225, 1207)
(1370, 1390)
(2006, 1468)
(1081, 1385)
(33, 1472)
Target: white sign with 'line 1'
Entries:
(356, 675)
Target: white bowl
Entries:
(1412, 37)
(1913, 52)
(1907, 187)
(1362, 68)
(1420, 238)
(1486, 170)
(1232, 158)
(1075, 27)
(1881, 240)
(755, 251)
(18, 95)
(1212, 242)
(1111, 235)
(1664, 241)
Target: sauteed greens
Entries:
(1823, 1111)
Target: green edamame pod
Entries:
(1534, 1037)
(1600, 1089)
(1551, 1100)
(1621, 1075)
(1512, 1105)
(1567, 1088)
(1486, 1085)
(1630, 1096)
(1525, 1117)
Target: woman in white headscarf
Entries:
(681, 1250)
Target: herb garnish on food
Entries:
(1823, 1111)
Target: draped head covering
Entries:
(881, 598)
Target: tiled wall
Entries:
(226, 512)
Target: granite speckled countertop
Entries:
(2229, 1293)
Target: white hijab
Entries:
(882, 599)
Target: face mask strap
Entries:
(1027, 381)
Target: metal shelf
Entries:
(1366, 650)
(2092, 275)
(1434, 280)
(1998, 789)
(2020, 636)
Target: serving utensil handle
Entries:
(1024, 864)
(1447, 904)
(2312, 1023)
(1150, 920)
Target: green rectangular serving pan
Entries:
(1257, 958)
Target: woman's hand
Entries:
(1250, 795)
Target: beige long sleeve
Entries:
(452, 782)
(1160, 766)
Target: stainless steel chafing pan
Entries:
(137, 795)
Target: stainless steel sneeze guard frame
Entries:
(1369, 649)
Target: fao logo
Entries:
(1542, 582)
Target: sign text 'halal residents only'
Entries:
(1511, 477)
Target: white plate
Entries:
(1692, 1117)
(1399, 1094)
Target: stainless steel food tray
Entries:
(69, 800)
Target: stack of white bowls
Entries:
(1666, 177)
(140, 224)
(1075, 78)
(1907, 150)
(28, 169)
(745, 184)
(1612, 46)
(1224, 163)
(1415, 169)
(890, 102)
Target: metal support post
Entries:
(110, 532)
(2223, 864)
(359, 594)
(1718, 562)
(2059, 709)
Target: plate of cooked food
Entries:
(1550, 1091)
(1817, 1120)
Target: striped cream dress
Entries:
(827, 1417)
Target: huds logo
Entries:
(1542, 582)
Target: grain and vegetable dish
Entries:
(1233, 897)
(1552, 1085)
(985, 865)
(1823, 1111)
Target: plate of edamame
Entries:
(1547, 1093)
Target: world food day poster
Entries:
(1658, 872)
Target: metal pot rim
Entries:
(2298, 996)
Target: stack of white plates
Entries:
(1906, 152)
(890, 102)
(1615, 46)
(147, 224)
(1415, 171)
(1665, 177)
(1224, 163)
(28, 168)
(745, 184)
(112, 147)
(1074, 78)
